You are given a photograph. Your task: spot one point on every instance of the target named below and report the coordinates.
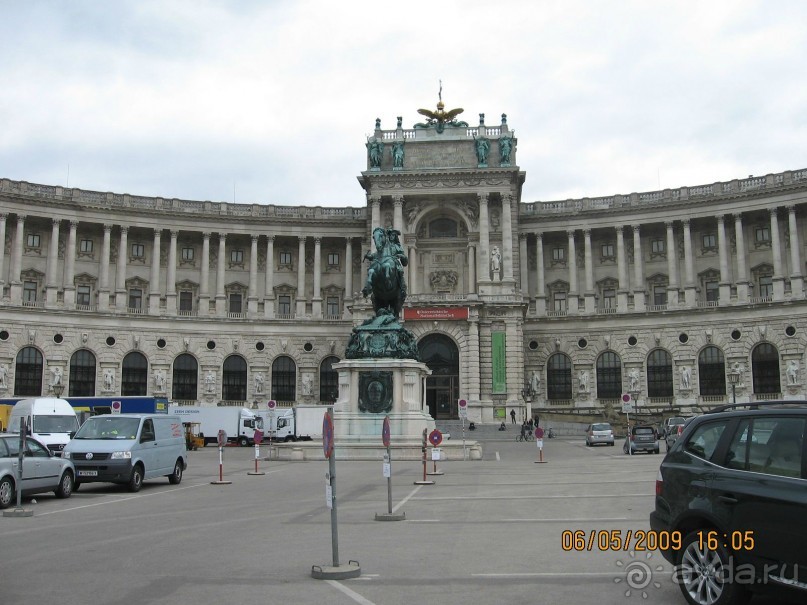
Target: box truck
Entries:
(240, 424)
(302, 422)
(51, 420)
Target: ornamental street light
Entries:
(734, 378)
(57, 390)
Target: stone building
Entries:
(681, 297)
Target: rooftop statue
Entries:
(440, 118)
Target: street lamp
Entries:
(57, 390)
(734, 377)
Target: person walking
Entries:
(513, 416)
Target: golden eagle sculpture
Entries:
(439, 119)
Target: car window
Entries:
(601, 427)
(643, 430)
(703, 441)
(35, 449)
(3, 449)
(148, 431)
(13, 446)
(768, 445)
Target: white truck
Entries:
(51, 420)
(302, 422)
(239, 423)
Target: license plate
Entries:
(87, 473)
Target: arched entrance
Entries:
(443, 387)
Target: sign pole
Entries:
(19, 511)
(221, 438)
(385, 439)
(424, 481)
(436, 438)
(462, 407)
(258, 438)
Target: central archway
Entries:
(443, 386)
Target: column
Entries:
(742, 273)
(639, 294)
(723, 255)
(524, 276)
(507, 243)
(472, 256)
(70, 267)
(52, 286)
(348, 276)
(776, 248)
(483, 267)
(16, 261)
(316, 300)
(252, 296)
(796, 276)
(269, 287)
(413, 270)
(221, 298)
(375, 214)
(301, 277)
(540, 286)
(397, 213)
(154, 284)
(474, 376)
(622, 272)
(672, 267)
(171, 278)
(573, 306)
(690, 291)
(589, 271)
(120, 277)
(204, 277)
(103, 290)
(3, 217)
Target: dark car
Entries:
(731, 497)
(42, 471)
(641, 438)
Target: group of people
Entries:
(526, 430)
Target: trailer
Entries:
(240, 424)
(302, 422)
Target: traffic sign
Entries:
(626, 397)
(462, 406)
(435, 437)
(327, 435)
(272, 404)
(258, 436)
(116, 407)
(385, 432)
(539, 433)
(221, 438)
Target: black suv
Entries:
(731, 502)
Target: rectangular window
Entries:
(138, 251)
(85, 246)
(766, 286)
(235, 303)
(762, 235)
(236, 256)
(559, 301)
(284, 305)
(32, 240)
(659, 295)
(712, 291)
(608, 251)
(558, 254)
(333, 259)
(284, 258)
(609, 298)
(29, 291)
(657, 246)
(332, 306)
(135, 298)
(187, 254)
(83, 295)
(709, 241)
(186, 301)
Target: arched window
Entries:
(765, 368)
(558, 377)
(234, 379)
(443, 227)
(712, 371)
(135, 380)
(185, 378)
(284, 379)
(609, 376)
(659, 374)
(28, 372)
(442, 356)
(328, 380)
(82, 374)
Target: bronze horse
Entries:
(385, 279)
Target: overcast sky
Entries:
(271, 102)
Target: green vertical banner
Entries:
(499, 358)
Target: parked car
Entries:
(599, 432)
(664, 427)
(641, 438)
(41, 471)
(673, 429)
(731, 496)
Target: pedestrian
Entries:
(513, 416)
(523, 432)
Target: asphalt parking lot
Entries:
(488, 531)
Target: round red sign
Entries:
(327, 435)
(385, 432)
(436, 437)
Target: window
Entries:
(185, 301)
(712, 371)
(558, 254)
(659, 374)
(609, 298)
(134, 379)
(237, 256)
(234, 379)
(185, 378)
(85, 246)
(135, 298)
(138, 251)
(609, 376)
(443, 227)
(608, 251)
(29, 289)
(32, 240)
(659, 295)
(765, 368)
(284, 258)
(559, 377)
(712, 291)
(28, 372)
(709, 241)
(332, 306)
(284, 305)
(235, 303)
(657, 246)
(284, 379)
(762, 235)
(328, 380)
(82, 374)
(84, 295)
(768, 445)
(559, 301)
(704, 440)
(766, 286)
(187, 254)
(333, 259)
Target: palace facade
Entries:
(683, 297)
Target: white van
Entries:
(51, 420)
(128, 448)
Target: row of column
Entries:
(690, 286)
(121, 297)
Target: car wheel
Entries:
(705, 575)
(66, 485)
(6, 493)
(243, 442)
(175, 477)
(136, 479)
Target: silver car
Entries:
(41, 471)
(599, 432)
